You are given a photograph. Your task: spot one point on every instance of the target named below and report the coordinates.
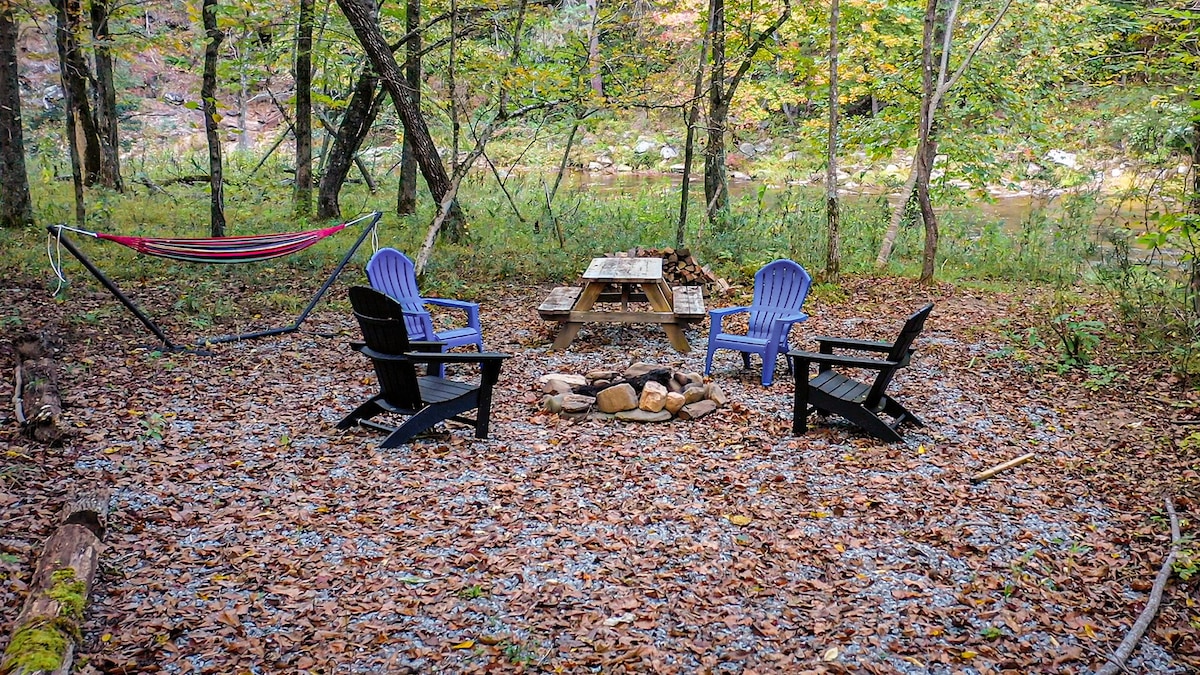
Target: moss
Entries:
(68, 592)
(38, 645)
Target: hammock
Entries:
(220, 250)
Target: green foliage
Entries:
(1078, 338)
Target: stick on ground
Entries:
(988, 473)
(1116, 662)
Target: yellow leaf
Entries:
(1088, 632)
(465, 644)
(968, 654)
(830, 654)
(107, 637)
(839, 547)
(920, 449)
(740, 520)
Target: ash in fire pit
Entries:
(643, 392)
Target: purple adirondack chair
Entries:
(391, 272)
(780, 288)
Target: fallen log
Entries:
(1005, 466)
(1116, 662)
(36, 399)
(47, 631)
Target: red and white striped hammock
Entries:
(222, 250)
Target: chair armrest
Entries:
(848, 343)
(792, 318)
(426, 345)
(847, 361)
(460, 304)
(726, 311)
(456, 357)
(715, 316)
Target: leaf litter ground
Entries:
(248, 535)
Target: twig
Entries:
(1116, 662)
(986, 474)
(18, 403)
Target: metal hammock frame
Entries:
(226, 250)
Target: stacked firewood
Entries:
(680, 268)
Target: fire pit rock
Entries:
(643, 392)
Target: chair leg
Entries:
(800, 401)
(901, 414)
(708, 357)
(746, 359)
(870, 423)
(769, 358)
(365, 411)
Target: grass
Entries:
(761, 226)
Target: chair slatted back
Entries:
(780, 288)
(382, 322)
(899, 353)
(394, 273)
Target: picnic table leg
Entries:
(660, 303)
(568, 330)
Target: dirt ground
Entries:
(249, 536)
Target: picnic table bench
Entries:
(635, 280)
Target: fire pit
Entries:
(643, 392)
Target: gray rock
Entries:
(553, 403)
(577, 403)
(643, 147)
(747, 149)
(667, 152)
(696, 410)
(639, 415)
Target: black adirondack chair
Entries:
(426, 399)
(860, 402)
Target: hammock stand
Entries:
(226, 250)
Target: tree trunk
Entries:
(1194, 198)
(406, 192)
(208, 93)
(925, 146)
(36, 398)
(689, 144)
(75, 74)
(302, 195)
(362, 17)
(893, 231)
(16, 208)
(597, 80)
(360, 114)
(715, 182)
(106, 98)
(833, 254)
(48, 629)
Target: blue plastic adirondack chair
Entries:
(780, 288)
(391, 272)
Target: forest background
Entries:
(289, 113)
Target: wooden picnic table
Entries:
(637, 280)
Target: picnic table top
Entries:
(624, 270)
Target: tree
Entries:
(720, 96)
(16, 209)
(81, 126)
(105, 97)
(363, 107)
(302, 195)
(208, 95)
(926, 145)
(941, 86)
(833, 257)
(365, 21)
(690, 117)
(406, 191)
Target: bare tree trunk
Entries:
(360, 114)
(16, 208)
(302, 195)
(925, 149)
(715, 195)
(1194, 198)
(208, 94)
(833, 254)
(106, 98)
(689, 144)
(74, 73)
(597, 81)
(898, 211)
(362, 17)
(406, 192)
